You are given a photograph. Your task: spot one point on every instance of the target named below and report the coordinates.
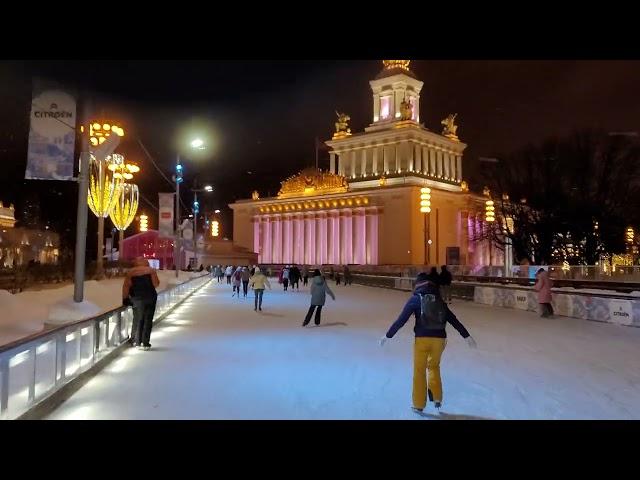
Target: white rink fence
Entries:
(33, 369)
(595, 305)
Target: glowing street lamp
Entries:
(198, 144)
(215, 228)
(144, 225)
(125, 209)
(425, 208)
(208, 188)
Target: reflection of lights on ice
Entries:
(80, 413)
(119, 365)
(71, 369)
(172, 329)
(19, 358)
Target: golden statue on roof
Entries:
(401, 64)
(342, 126)
(312, 181)
(450, 128)
(406, 110)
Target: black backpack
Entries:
(433, 312)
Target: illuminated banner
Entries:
(165, 219)
(52, 135)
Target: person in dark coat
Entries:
(139, 290)
(319, 291)
(294, 277)
(347, 275)
(429, 343)
(445, 279)
(434, 277)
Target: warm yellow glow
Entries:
(215, 228)
(425, 200)
(106, 126)
(96, 126)
(144, 223)
(391, 64)
(126, 206)
(489, 211)
(104, 187)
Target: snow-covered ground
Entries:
(25, 313)
(215, 358)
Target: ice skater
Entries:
(246, 275)
(305, 275)
(432, 316)
(294, 278)
(237, 281)
(258, 282)
(139, 290)
(285, 277)
(319, 291)
(543, 287)
(445, 283)
(228, 272)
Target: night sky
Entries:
(263, 116)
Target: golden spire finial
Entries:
(391, 64)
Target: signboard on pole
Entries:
(165, 214)
(52, 135)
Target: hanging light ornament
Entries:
(125, 208)
(104, 186)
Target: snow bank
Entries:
(25, 313)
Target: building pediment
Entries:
(312, 182)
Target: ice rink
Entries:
(215, 358)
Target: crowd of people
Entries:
(428, 304)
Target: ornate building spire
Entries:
(401, 64)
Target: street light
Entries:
(196, 144)
(196, 210)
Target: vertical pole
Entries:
(195, 229)
(99, 260)
(81, 217)
(426, 245)
(176, 248)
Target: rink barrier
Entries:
(601, 306)
(35, 369)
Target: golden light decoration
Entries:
(104, 187)
(215, 228)
(124, 170)
(144, 225)
(401, 64)
(425, 200)
(99, 131)
(630, 235)
(489, 211)
(126, 206)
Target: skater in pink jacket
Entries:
(543, 287)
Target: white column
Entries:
(374, 164)
(432, 161)
(277, 244)
(332, 162)
(310, 244)
(459, 168)
(347, 237)
(425, 160)
(446, 164)
(266, 241)
(359, 237)
(363, 162)
(418, 158)
(256, 237)
(372, 236)
(410, 158)
(352, 161)
(376, 107)
(439, 163)
(288, 240)
(385, 159)
(396, 157)
(323, 237)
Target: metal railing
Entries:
(34, 368)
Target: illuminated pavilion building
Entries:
(366, 209)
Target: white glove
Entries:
(471, 342)
(383, 340)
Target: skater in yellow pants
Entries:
(432, 315)
(427, 352)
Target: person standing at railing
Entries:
(139, 290)
(258, 282)
(445, 279)
(432, 316)
(543, 287)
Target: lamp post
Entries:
(126, 206)
(489, 218)
(425, 208)
(196, 211)
(196, 144)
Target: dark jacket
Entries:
(445, 277)
(413, 307)
(140, 282)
